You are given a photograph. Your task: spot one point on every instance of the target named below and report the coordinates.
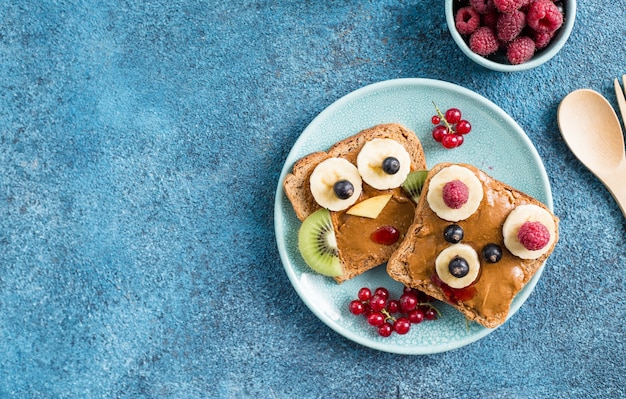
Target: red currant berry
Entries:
(408, 302)
(463, 127)
(426, 298)
(407, 289)
(382, 291)
(421, 297)
(402, 325)
(430, 314)
(439, 132)
(376, 319)
(393, 306)
(367, 309)
(364, 294)
(378, 303)
(356, 307)
(450, 141)
(416, 316)
(459, 139)
(453, 115)
(435, 120)
(385, 330)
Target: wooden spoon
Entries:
(592, 131)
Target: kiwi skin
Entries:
(414, 183)
(318, 245)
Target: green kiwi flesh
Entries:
(414, 183)
(318, 245)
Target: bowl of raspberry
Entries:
(510, 35)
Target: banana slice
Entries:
(460, 259)
(383, 163)
(515, 220)
(336, 184)
(435, 196)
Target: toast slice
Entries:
(356, 250)
(488, 298)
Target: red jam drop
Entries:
(454, 295)
(385, 235)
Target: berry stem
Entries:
(388, 315)
(443, 119)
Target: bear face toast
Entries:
(354, 211)
(475, 242)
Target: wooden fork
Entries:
(621, 101)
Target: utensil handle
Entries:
(616, 183)
(621, 101)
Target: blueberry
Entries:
(391, 165)
(492, 253)
(458, 267)
(453, 233)
(343, 189)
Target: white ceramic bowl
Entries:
(499, 62)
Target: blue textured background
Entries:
(141, 144)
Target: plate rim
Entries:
(292, 158)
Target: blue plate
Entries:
(497, 145)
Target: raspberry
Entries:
(533, 235)
(482, 6)
(490, 19)
(510, 25)
(508, 5)
(520, 50)
(483, 41)
(455, 194)
(544, 16)
(467, 20)
(542, 39)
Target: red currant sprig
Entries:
(389, 315)
(451, 133)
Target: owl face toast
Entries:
(475, 242)
(357, 199)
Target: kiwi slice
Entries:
(414, 183)
(318, 245)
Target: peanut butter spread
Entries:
(353, 232)
(497, 283)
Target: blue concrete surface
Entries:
(140, 147)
